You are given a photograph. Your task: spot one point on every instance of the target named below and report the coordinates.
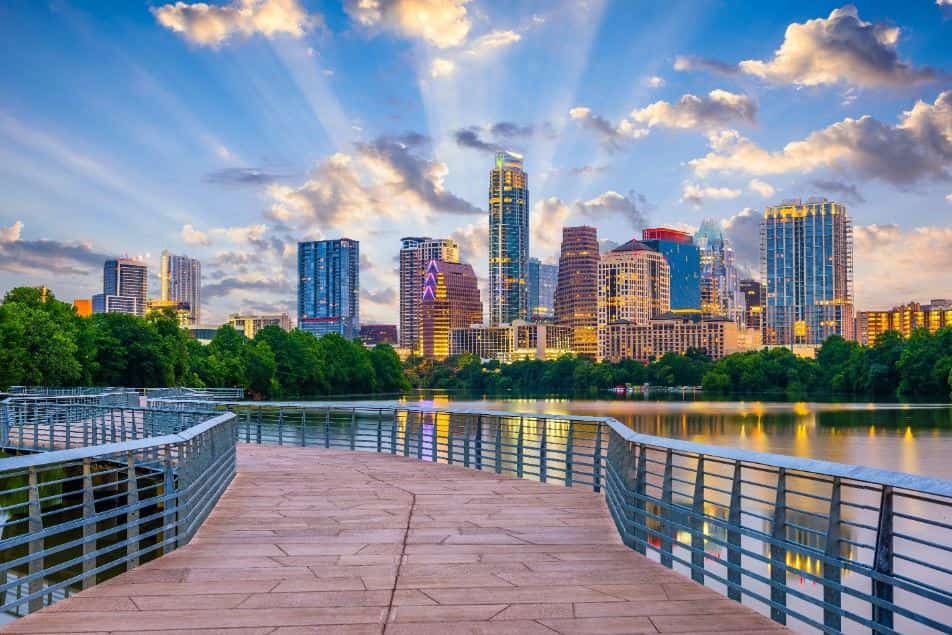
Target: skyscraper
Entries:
(753, 291)
(576, 294)
(181, 281)
(542, 282)
(684, 259)
(806, 259)
(416, 252)
(719, 273)
(329, 287)
(449, 300)
(634, 283)
(125, 287)
(508, 240)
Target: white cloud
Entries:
(211, 25)
(761, 187)
(948, 197)
(655, 81)
(249, 233)
(919, 147)
(716, 108)
(441, 23)
(12, 233)
(548, 217)
(841, 48)
(441, 67)
(695, 194)
(193, 236)
(493, 40)
(473, 242)
(894, 264)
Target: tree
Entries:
(35, 349)
(260, 366)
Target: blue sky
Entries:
(231, 130)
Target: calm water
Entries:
(903, 437)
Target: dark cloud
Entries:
(241, 176)
(50, 256)
(500, 136)
(846, 191)
(469, 138)
(633, 207)
(379, 296)
(226, 286)
(606, 245)
(742, 231)
(698, 63)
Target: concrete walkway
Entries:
(310, 540)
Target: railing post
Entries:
(479, 442)
(449, 440)
(778, 553)
(303, 427)
(883, 560)
(407, 431)
(89, 524)
(597, 459)
(569, 449)
(327, 427)
(831, 568)
(667, 498)
(498, 449)
(379, 431)
(733, 537)
(466, 436)
(543, 442)
(258, 427)
(420, 436)
(521, 448)
(5, 425)
(280, 426)
(393, 433)
(35, 568)
(353, 428)
(434, 439)
(641, 520)
(132, 518)
(697, 524)
(169, 519)
(248, 425)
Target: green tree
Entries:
(260, 367)
(36, 348)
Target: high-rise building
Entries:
(181, 281)
(416, 252)
(576, 294)
(249, 325)
(720, 271)
(904, 319)
(508, 240)
(329, 287)
(125, 287)
(684, 259)
(754, 292)
(806, 253)
(634, 283)
(450, 300)
(183, 314)
(543, 279)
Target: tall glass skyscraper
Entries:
(181, 279)
(542, 282)
(720, 280)
(806, 260)
(684, 260)
(329, 287)
(125, 287)
(508, 240)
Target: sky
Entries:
(231, 130)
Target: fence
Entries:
(103, 489)
(829, 546)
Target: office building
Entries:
(249, 325)
(806, 254)
(753, 292)
(719, 276)
(684, 260)
(181, 281)
(125, 287)
(543, 279)
(181, 310)
(576, 294)
(511, 342)
(904, 319)
(633, 286)
(450, 299)
(373, 334)
(676, 333)
(508, 240)
(329, 287)
(416, 252)
(203, 333)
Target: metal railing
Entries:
(826, 546)
(89, 491)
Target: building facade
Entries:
(83, 307)
(511, 342)
(508, 240)
(754, 292)
(806, 254)
(416, 252)
(181, 281)
(720, 280)
(125, 287)
(329, 287)
(450, 300)
(249, 325)
(543, 279)
(675, 334)
(904, 319)
(684, 260)
(181, 309)
(633, 286)
(576, 293)
(373, 334)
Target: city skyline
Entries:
(231, 139)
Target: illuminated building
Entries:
(633, 286)
(125, 286)
(576, 294)
(450, 299)
(720, 282)
(373, 334)
(249, 325)
(83, 307)
(753, 292)
(508, 240)
(329, 287)
(511, 342)
(684, 260)
(676, 333)
(806, 253)
(181, 309)
(416, 252)
(542, 282)
(904, 319)
(181, 281)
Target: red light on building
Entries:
(666, 233)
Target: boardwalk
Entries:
(323, 541)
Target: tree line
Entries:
(43, 342)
